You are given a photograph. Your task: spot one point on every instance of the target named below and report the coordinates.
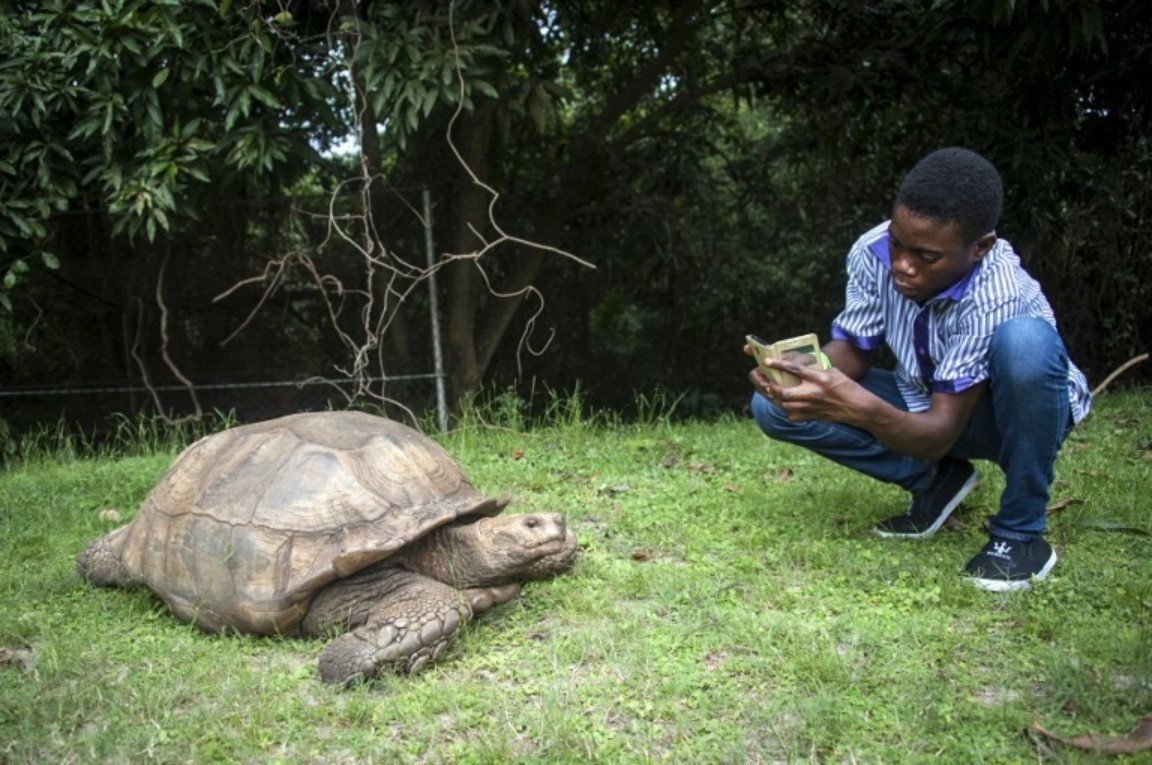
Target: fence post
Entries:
(434, 310)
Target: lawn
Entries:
(729, 604)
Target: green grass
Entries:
(729, 605)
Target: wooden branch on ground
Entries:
(1119, 371)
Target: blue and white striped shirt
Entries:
(942, 346)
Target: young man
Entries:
(981, 371)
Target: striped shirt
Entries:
(943, 345)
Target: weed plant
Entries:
(729, 605)
(120, 436)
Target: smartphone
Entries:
(809, 345)
(761, 349)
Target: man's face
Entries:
(928, 255)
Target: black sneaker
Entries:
(954, 479)
(1008, 564)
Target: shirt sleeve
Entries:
(861, 322)
(966, 355)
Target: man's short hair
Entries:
(957, 186)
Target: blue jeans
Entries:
(1019, 424)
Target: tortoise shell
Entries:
(249, 523)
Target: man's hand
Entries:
(833, 396)
(823, 394)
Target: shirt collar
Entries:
(879, 248)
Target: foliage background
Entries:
(713, 159)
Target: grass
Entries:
(729, 605)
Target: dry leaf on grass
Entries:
(1103, 524)
(21, 658)
(1056, 507)
(1137, 741)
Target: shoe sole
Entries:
(1004, 585)
(957, 498)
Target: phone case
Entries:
(808, 344)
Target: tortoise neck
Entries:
(450, 554)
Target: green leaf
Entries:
(233, 113)
(264, 97)
(50, 260)
(22, 223)
(430, 97)
(197, 173)
(153, 110)
(109, 110)
(160, 77)
(486, 88)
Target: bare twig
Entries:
(164, 351)
(145, 378)
(361, 314)
(504, 237)
(1119, 371)
(277, 279)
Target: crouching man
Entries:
(981, 371)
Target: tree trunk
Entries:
(477, 320)
(465, 365)
(497, 313)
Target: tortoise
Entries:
(329, 524)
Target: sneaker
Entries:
(954, 479)
(1008, 564)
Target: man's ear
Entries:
(983, 245)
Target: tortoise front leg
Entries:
(408, 628)
(483, 598)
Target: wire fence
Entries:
(95, 335)
(87, 405)
(130, 388)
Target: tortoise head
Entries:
(497, 550)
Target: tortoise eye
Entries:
(531, 523)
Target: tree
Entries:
(1041, 88)
(572, 88)
(137, 116)
(713, 159)
(132, 105)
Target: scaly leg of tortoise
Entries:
(405, 628)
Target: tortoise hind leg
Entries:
(410, 627)
(101, 563)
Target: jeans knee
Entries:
(1027, 350)
(771, 419)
